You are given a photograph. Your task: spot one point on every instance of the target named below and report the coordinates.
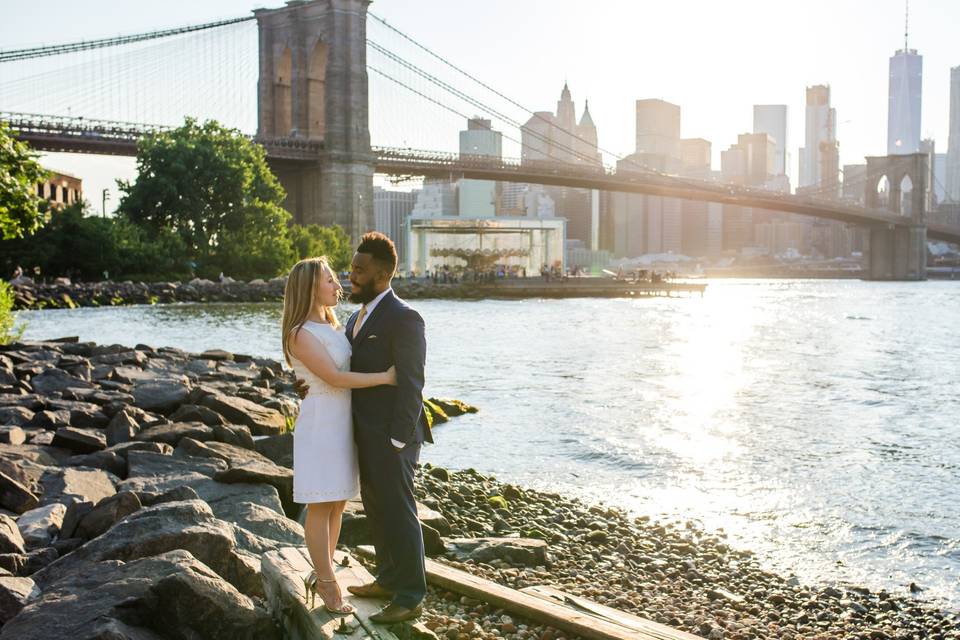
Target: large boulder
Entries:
(160, 395)
(82, 414)
(11, 540)
(14, 496)
(114, 459)
(122, 428)
(15, 594)
(278, 448)
(261, 420)
(146, 463)
(105, 514)
(188, 525)
(80, 440)
(258, 471)
(230, 453)
(197, 413)
(39, 526)
(56, 380)
(516, 551)
(77, 484)
(15, 416)
(171, 595)
(173, 432)
(12, 435)
(212, 492)
(260, 521)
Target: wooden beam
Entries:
(591, 622)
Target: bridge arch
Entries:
(316, 91)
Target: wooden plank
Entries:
(622, 618)
(577, 620)
(283, 572)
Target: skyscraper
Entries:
(953, 143)
(820, 140)
(771, 119)
(658, 128)
(478, 198)
(903, 102)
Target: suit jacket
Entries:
(393, 335)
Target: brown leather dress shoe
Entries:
(370, 590)
(394, 613)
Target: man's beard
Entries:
(362, 294)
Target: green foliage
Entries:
(212, 187)
(20, 207)
(10, 331)
(87, 246)
(313, 240)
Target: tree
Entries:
(313, 240)
(212, 186)
(20, 206)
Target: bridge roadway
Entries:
(80, 135)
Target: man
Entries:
(389, 427)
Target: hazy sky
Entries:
(714, 59)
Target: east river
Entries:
(816, 422)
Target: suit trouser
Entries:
(387, 491)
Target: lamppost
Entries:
(104, 196)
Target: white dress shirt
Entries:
(370, 306)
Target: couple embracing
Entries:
(361, 422)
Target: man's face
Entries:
(365, 277)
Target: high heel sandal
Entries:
(310, 591)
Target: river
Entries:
(814, 421)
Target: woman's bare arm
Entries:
(311, 352)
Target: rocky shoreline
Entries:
(140, 486)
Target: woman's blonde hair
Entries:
(299, 298)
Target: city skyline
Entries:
(716, 67)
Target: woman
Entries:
(325, 473)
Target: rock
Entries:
(517, 551)
(51, 420)
(122, 428)
(38, 559)
(172, 433)
(261, 420)
(433, 519)
(230, 453)
(209, 490)
(15, 416)
(237, 434)
(154, 530)
(160, 395)
(16, 497)
(196, 413)
(278, 448)
(12, 435)
(107, 512)
(453, 408)
(39, 526)
(432, 541)
(30, 401)
(114, 459)
(257, 471)
(146, 463)
(75, 513)
(80, 440)
(216, 354)
(177, 494)
(77, 484)
(172, 595)
(260, 521)
(11, 541)
(440, 474)
(82, 414)
(55, 380)
(15, 594)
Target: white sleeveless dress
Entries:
(324, 452)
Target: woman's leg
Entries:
(336, 517)
(316, 531)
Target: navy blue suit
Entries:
(392, 335)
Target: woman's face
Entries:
(328, 288)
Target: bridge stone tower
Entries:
(313, 87)
(900, 184)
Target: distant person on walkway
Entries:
(389, 428)
(325, 466)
